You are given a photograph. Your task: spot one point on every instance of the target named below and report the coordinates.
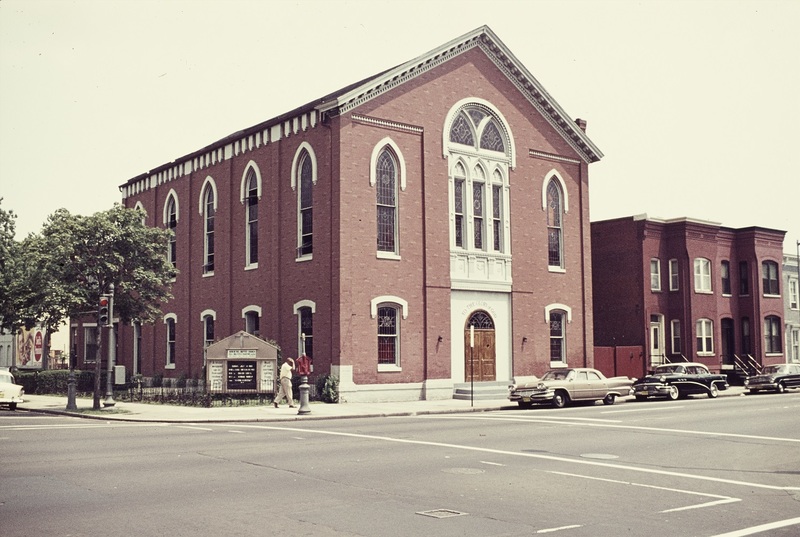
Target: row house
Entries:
(687, 289)
(791, 286)
(425, 227)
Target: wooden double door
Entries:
(479, 348)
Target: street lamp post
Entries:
(472, 365)
(302, 362)
(109, 400)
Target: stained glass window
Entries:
(307, 329)
(386, 175)
(481, 321)
(461, 132)
(172, 224)
(252, 217)
(208, 266)
(491, 138)
(458, 201)
(477, 215)
(388, 335)
(306, 203)
(557, 336)
(497, 222)
(554, 230)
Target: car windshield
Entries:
(557, 374)
(775, 369)
(673, 368)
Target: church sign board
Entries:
(241, 363)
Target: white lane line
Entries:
(551, 530)
(613, 426)
(654, 408)
(235, 432)
(524, 454)
(492, 463)
(762, 528)
(719, 501)
(193, 428)
(78, 426)
(560, 418)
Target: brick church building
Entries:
(425, 227)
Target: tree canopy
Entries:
(62, 271)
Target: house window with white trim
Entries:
(674, 282)
(655, 274)
(389, 334)
(675, 329)
(702, 275)
(772, 335)
(252, 323)
(251, 207)
(793, 294)
(208, 330)
(558, 336)
(89, 344)
(769, 278)
(386, 194)
(705, 337)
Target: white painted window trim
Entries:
(563, 307)
(554, 174)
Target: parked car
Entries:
(560, 386)
(777, 378)
(10, 393)
(680, 380)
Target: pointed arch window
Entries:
(386, 194)
(459, 180)
(555, 231)
(209, 210)
(478, 207)
(252, 217)
(172, 224)
(305, 202)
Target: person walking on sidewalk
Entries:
(285, 389)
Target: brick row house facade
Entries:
(422, 228)
(687, 289)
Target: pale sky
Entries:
(695, 104)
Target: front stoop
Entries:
(482, 390)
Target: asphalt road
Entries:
(696, 467)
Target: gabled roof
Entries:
(353, 95)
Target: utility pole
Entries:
(109, 401)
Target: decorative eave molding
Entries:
(502, 57)
(387, 124)
(234, 145)
(551, 156)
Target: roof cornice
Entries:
(484, 38)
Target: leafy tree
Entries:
(8, 268)
(78, 258)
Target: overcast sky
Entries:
(695, 104)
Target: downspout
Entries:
(583, 266)
(424, 263)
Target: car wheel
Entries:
(781, 387)
(674, 393)
(560, 399)
(713, 391)
(609, 399)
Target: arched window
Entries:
(209, 210)
(386, 169)
(480, 152)
(555, 230)
(170, 321)
(172, 224)
(558, 336)
(305, 310)
(305, 203)
(252, 322)
(208, 328)
(389, 334)
(251, 207)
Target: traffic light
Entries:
(103, 311)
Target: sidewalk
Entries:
(142, 412)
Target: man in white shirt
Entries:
(285, 389)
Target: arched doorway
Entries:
(479, 359)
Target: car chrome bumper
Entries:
(651, 389)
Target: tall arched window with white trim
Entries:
(389, 335)
(251, 206)
(459, 180)
(555, 230)
(386, 194)
(558, 336)
(209, 210)
(305, 203)
(170, 321)
(172, 225)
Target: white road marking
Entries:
(193, 428)
(527, 455)
(762, 528)
(720, 499)
(648, 409)
(492, 463)
(551, 530)
(78, 426)
(613, 426)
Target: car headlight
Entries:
(662, 379)
(541, 386)
(512, 387)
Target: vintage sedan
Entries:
(776, 378)
(10, 393)
(560, 386)
(679, 380)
